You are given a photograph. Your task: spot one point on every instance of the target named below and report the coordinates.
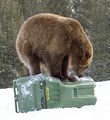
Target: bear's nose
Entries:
(80, 75)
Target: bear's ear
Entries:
(87, 54)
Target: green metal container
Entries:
(42, 92)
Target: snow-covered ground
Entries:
(100, 111)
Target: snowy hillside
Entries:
(101, 111)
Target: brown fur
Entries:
(54, 43)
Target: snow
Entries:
(100, 111)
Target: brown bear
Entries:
(54, 43)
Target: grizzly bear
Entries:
(52, 43)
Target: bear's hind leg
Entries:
(34, 65)
(30, 60)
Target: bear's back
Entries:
(49, 20)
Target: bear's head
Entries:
(82, 60)
(82, 52)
